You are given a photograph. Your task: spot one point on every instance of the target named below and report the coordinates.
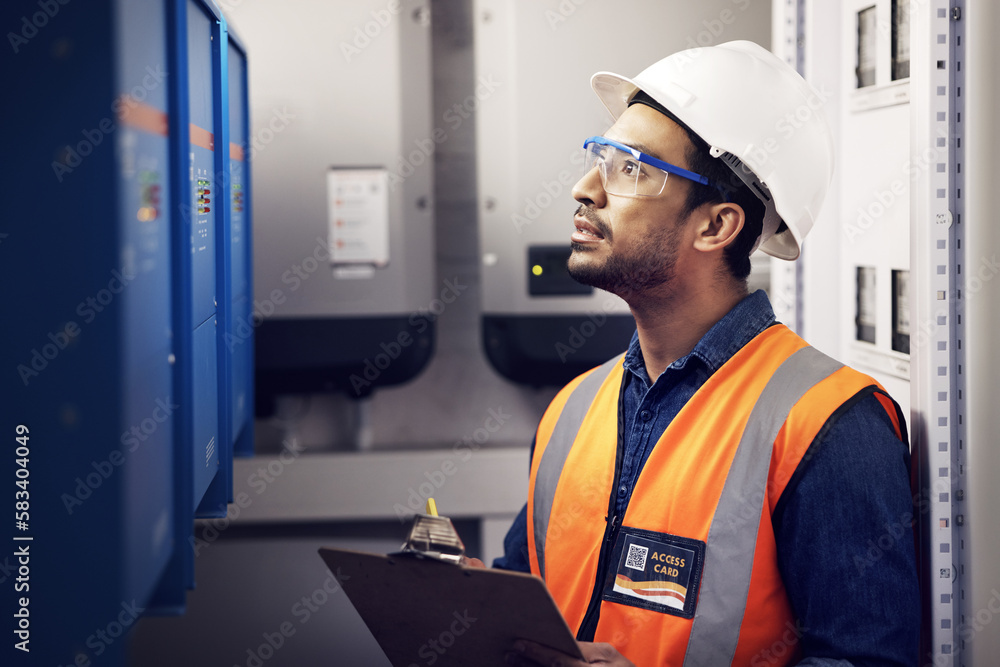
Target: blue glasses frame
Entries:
(649, 159)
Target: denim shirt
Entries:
(842, 526)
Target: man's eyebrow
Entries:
(642, 148)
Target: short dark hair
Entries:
(726, 186)
(731, 189)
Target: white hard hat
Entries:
(755, 112)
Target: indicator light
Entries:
(536, 269)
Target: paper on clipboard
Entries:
(423, 611)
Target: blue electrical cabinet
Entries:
(239, 338)
(234, 330)
(85, 261)
(197, 51)
(201, 191)
(123, 267)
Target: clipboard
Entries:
(423, 611)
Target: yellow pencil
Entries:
(431, 507)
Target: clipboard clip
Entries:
(433, 537)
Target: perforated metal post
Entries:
(978, 319)
(789, 26)
(937, 355)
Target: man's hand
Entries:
(471, 562)
(531, 654)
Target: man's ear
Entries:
(719, 227)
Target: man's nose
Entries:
(589, 189)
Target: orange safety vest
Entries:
(695, 549)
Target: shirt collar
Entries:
(726, 337)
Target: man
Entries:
(722, 493)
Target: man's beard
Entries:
(626, 271)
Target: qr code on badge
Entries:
(636, 558)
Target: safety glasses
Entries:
(628, 172)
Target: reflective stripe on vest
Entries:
(713, 478)
(722, 601)
(795, 376)
(558, 448)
